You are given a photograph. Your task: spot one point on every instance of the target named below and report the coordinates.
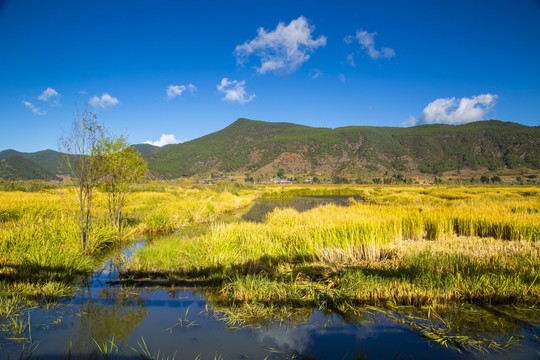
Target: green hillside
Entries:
(261, 147)
(17, 167)
(42, 164)
(7, 153)
(50, 160)
(146, 149)
(226, 150)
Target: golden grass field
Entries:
(400, 244)
(424, 255)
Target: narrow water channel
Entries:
(182, 323)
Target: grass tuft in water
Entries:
(145, 353)
(108, 349)
(183, 323)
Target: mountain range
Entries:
(261, 149)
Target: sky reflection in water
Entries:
(180, 322)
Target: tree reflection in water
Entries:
(112, 312)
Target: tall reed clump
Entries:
(498, 225)
(437, 224)
(39, 245)
(412, 224)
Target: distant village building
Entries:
(418, 181)
(309, 179)
(212, 180)
(280, 181)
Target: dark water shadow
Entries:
(302, 203)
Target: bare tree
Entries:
(80, 147)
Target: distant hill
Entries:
(7, 153)
(261, 148)
(17, 167)
(42, 165)
(146, 149)
(50, 160)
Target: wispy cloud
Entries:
(177, 90)
(350, 60)
(50, 95)
(165, 139)
(367, 43)
(103, 102)
(342, 78)
(34, 108)
(50, 98)
(235, 91)
(282, 50)
(455, 111)
(317, 74)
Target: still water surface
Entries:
(182, 323)
(261, 207)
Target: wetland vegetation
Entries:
(458, 266)
(399, 245)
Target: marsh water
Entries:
(160, 322)
(261, 207)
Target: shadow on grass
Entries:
(36, 281)
(453, 278)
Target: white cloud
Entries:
(317, 74)
(284, 337)
(365, 39)
(412, 121)
(283, 50)
(342, 78)
(34, 108)
(235, 91)
(456, 111)
(165, 139)
(103, 102)
(177, 90)
(50, 94)
(350, 60)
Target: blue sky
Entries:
(184, 69)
